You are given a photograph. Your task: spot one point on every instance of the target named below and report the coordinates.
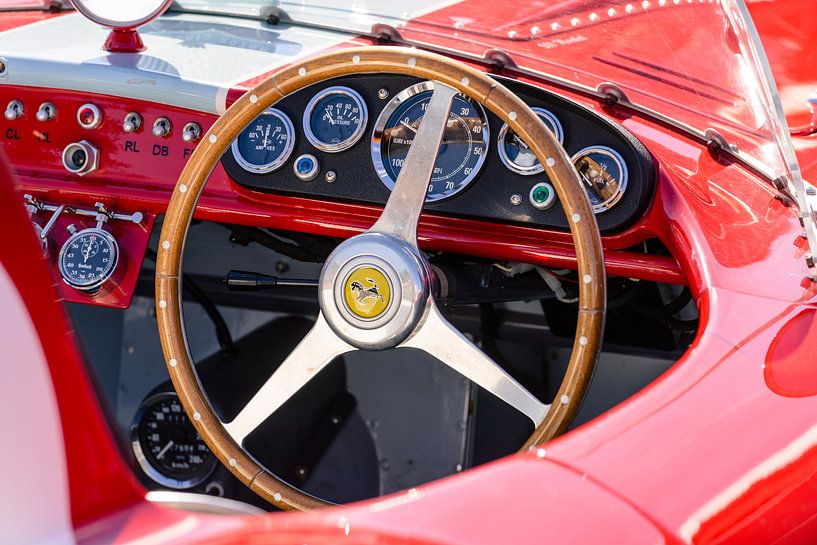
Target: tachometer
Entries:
(516, 155)
(167, 446)
(604, 174)
(335, 119)
(462, 150)
(266, 143)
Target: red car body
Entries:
(721, 449)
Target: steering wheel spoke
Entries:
(313, 353)
(437, 337)
(402, 211)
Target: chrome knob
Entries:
(80, 158)
(14, 110)
(132, 123)
(191, 132)
(46, 112)
(162, 127)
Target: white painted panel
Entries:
(34, 501)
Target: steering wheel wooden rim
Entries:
(475, 84)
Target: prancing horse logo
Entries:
(367, 292)
(364, 294)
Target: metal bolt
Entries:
(331, 176)
(3, 68)
(811, 191)
(384, 464)
(516, 199)
(382, 93)
(281, 266)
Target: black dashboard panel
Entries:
(489, 195)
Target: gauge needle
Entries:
(329, 115)
(408, 126)
(86, 254)
(266, 134)
(162, 452)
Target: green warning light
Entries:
(542, 195)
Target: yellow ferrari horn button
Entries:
(366, 292)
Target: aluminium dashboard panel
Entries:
(489, 195)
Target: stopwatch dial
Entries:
(88, 258)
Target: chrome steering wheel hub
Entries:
(373, 290)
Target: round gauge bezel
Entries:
(622, 183)
(538, 167)
(144, 463)
(281, 160)
(91, 286)
(392, 106)
(359, 130)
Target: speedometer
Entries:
(167, 446)
(335, 119)
(462, 150)
(266, 143)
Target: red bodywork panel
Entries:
(721, 449)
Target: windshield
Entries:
(697, 63)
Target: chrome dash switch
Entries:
(162, 127)
(14, 110)
(46, 112)
(191, 132)
(132, 122)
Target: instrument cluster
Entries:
(351, 136)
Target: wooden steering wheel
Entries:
(405, 313)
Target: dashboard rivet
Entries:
(516, 199)
(331, 176)
(382, 93)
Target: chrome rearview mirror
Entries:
(123, 18)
